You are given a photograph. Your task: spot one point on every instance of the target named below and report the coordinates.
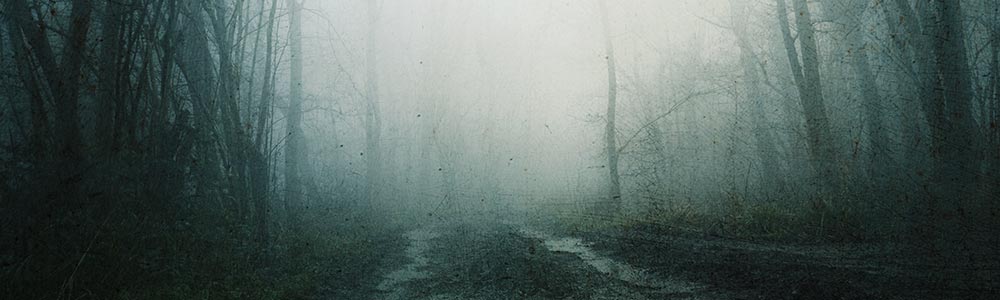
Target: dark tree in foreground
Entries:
(292, 149)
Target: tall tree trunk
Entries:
(169, 145)
(610, 139)
(373, 114)
(68, 90)
(35, 34)
(224, 23)
(63, 81)
(943, 78)
(39, 134)
(993, 127)
(196, 64)
(293, 174)
(108, 76)
(956, 145)
(916, 30)
(807, 80)
(260, 176)
(160, 109)
(912, 141)
(849, 13)
(994, 114)
(916, 25)
(764, 138)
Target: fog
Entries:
(499, 149)
(509, 98)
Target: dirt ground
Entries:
(772, 270)
(514, 260)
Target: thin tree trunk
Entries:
(160, 109)
(994, 114)
(261, 176)
(108, 77)
(35, 35)
(373, 118)
(267, 88)
(63, 81)
(293, 180)
(956, 144)
(610, 139)
(911, 139)
(871, 98)
(773, 182)
(196, 64)
(68, 91)
(224, 23)
(39, 134)
(807, 79)
(993, 127)
(916, 28)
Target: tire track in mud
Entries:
(632, 282)
(487, 260)
(506, 261)
(393, 285)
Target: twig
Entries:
(62, 289)
(661, 116)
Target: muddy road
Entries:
(500, 259)
(504, 260)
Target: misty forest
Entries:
(514, 149)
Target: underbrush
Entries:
(813, 221)
(128, 260)
(132, 240)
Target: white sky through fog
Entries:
(534, 68)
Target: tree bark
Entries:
(993, 125)
(39, 134)
(849, 13)
(63, 81)
(610, 138)
(771, 175)
(224, 24)
(196, 64)
(260, 174)
(373, 118)
(915, 28)
(910, 117)
(956, 144)
(293, 180)
(160, 109)
(68, 88)
(807, 80)
(108, 93)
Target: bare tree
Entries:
(807, 80)
(373, 118)
(261, 152)
(610, 138)
(64, 80)
(763, 135)
(848, 15)
(954, 144)
(293, 141)
(39, 135)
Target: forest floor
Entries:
(502, 259)
(747, 269)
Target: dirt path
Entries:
(393, 285)
(497, 260)
(508, 261)
(773, 270)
